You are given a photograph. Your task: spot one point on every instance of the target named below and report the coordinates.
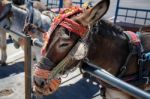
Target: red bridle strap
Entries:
(41, 73)
(63, 20)
(66, 13)
(74, 27)
(133, 38)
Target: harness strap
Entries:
(67, 13)
(30, 12)
(136, 47)
(133, 38)
(29, 17)
(123, 68)
(147, 56)
(133, 41)
(74, 27)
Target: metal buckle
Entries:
(123, 68)
(141, 60)
(147, 79)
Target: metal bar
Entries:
(117, 9)
(80, 3)
(60, 4)
(51, 4)
(146, 17)
(18, 34)
(133, 17)
(47, 2)
(77, 2)
(110, 79)
(27, 64)
(37, 42)
(27, 67)
(124, 8)
(126, 15)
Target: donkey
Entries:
(13, 18)
(4, 9)
(106, 45)
(3, 46)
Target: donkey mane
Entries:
(107, 29)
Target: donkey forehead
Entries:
(60, 32)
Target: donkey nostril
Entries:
(39, 82)
(50, 90)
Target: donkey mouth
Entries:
(42, 86)
(48, 88)
(40, 91)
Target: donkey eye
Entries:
(65, 36)
(64, 45)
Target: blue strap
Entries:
(30, 12)
(147, 56)
(139, 34)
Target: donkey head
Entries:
(63, 36)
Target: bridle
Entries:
(75, 54)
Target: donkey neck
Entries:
(108, 49)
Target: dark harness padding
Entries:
(18, 19)
(22, 17)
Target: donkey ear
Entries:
(90, 16)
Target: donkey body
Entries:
(13, 18)
(109, 49)
(4, 22)
(3, 46)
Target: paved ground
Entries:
(75, 87)
(12, 81)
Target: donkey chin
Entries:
(41, 83)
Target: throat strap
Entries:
(134, 43)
